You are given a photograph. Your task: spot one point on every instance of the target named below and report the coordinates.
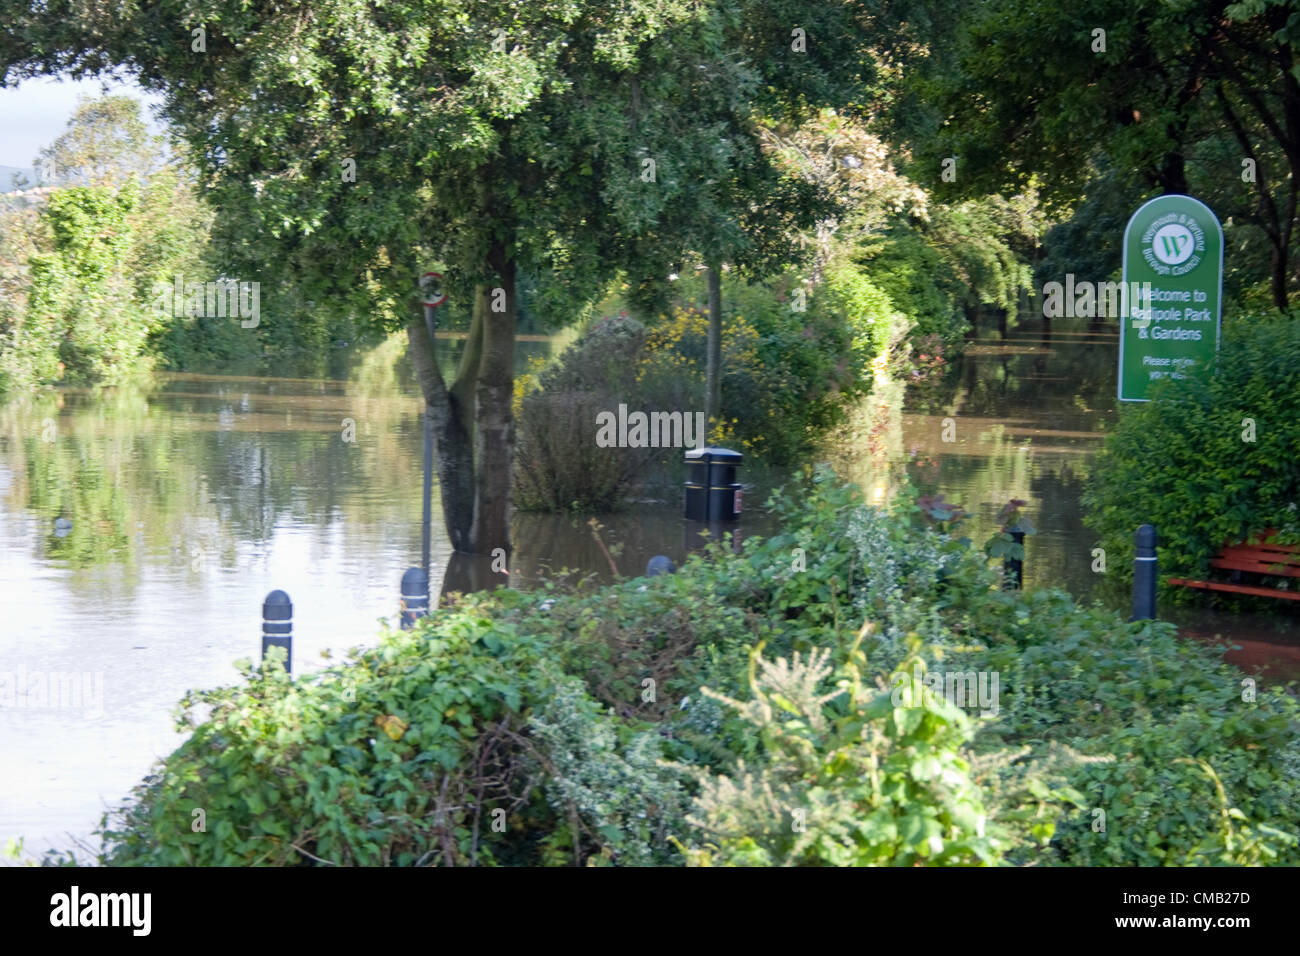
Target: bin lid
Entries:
(714, 454)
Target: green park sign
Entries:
(1173, 263)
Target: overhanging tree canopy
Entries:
(345, 144)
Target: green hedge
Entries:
(1212, 459)
(562, 727)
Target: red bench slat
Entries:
(1259, 567)
(1262, 558)
(1238, 588)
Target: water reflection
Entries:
(187, 504)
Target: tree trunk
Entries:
(713, 372)
(1268, 218)
(1282, 265)
(472, 422)
(494, 424)
(1171, 175)
(452, 419)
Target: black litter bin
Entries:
(712, 492)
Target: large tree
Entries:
(106, 142)
(346, 144)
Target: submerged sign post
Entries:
(1173, 252)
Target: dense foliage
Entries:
(558, 465)
(1212, 460)
(1092, 97)
(82, 307)
(569, 727)
(78, 270)
(790, 375)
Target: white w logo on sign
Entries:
(1172, 244)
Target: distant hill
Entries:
(7, 176)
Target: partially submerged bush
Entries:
(788, 378)
(1212, 459)
(558, 465)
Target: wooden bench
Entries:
(1263, 558)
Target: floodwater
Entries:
(140, 532)
(1025, 412)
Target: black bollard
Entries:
(659, 565)
(415, 596)
(1014, 568)
(277, 626)
(1145, 570)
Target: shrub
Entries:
(81, 301)
(570, 727)
(877, 327)
(1181, 462)
(558, 464)
(452, 744)
(787, 377)
(1093, 710)
(872, 784)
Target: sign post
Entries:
(1173, 290)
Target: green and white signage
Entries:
(1173, 262)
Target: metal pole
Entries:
(1145, 571)
(277, 626)
(426, 522)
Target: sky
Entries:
(34, 113)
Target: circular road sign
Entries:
(431, 287)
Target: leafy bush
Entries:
(558, 464)
(873, 784)
(1093, 710)
(82, 314)
(787, 377)
(1135, 698)
(876, 325)
(454, 745)
(1183, 462)
(79, 304)
(561, 727)
(940, 268)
